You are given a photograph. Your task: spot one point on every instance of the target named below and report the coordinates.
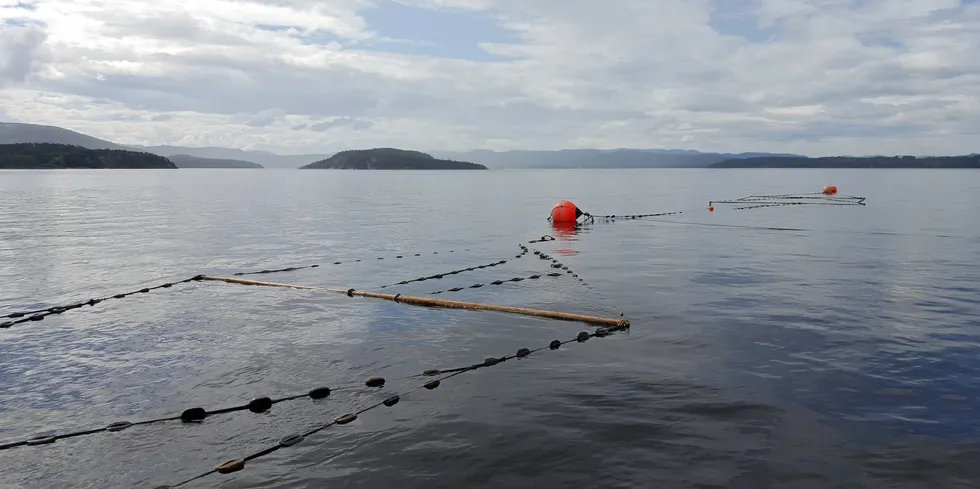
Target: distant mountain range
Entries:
(967, 161)
(569, 158)
(14, 133)
(216, 157)
(599, 158)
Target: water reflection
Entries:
(567, 232)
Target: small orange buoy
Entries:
(830, 190)
(565, 211)
(711, 208)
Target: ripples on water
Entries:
(842, 355)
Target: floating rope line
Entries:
(441, 275)
(193, 415)
(238, 464)
(732, 226)
(524, 251)
(440, 303)
(557, 264)
(317, 265)
(613, 217)
(40, 314)
(782, 204)
(496, 282)
(827, 197)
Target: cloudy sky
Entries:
(810, 76)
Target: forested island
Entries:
(388, 159)
(49, 156)
(967, 161)
(188, 161)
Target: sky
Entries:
(815, 77)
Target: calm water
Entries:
(842, 355)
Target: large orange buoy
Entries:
(565, 211)
(830, 190)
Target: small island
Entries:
(188, 161)
(894, 162)
(388, 159)
(51, 156)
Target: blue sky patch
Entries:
(873, 39)
(736, 19)
(13, 23)
(317, 38)
(436, 32)
(273, 28)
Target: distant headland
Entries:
(388, 159)
(967, 161)
(49, 156)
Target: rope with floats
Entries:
(235, 465)
(563, 213)
(263, 404)
(605, 327)
(497, 282)
(317, 265)
(192, 415)
(40, 314)
(826, 197)
(443, 274)
(566, 213)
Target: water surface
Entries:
(839, 354)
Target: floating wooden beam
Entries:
(615, 323)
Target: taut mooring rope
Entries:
(440, 303)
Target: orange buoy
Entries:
(565, 211)
(830, 190)
(711, 208)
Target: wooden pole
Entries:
(618, 323)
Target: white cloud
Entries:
(814, 76)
